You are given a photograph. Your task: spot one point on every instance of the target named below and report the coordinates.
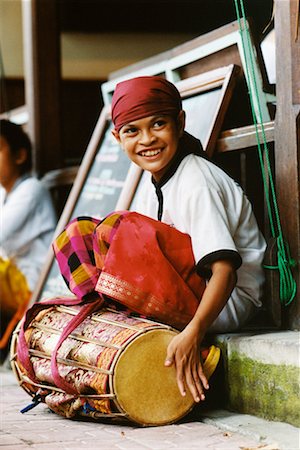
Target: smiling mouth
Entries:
(150, 152)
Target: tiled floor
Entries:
(43, 430)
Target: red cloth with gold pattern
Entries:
(142, 263)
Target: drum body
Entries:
(114, 361)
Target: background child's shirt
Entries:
(27, 224)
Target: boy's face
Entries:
(151, 142)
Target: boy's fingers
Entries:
(169, 358)
(199, 385)
(203, 378)
(180, 382)
(168, 362)
(193, 386)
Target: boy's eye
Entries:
(159, 123)
(130, 130)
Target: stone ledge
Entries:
(262, 374)
(275, 435)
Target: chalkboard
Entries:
(96, 192)
(105, 179)
(200, 112)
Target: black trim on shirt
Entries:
(160, 199)
(203, 266)
(188, 145)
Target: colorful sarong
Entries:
(145, 265)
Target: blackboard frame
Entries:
(216, 48)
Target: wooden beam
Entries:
(42, 81)
(287, 132)
(244, 137)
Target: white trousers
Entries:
(236, 313)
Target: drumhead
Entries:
(145, 389)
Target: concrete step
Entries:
(262, 374)
(270, 435)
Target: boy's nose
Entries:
(147, 137)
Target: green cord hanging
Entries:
(285, 263)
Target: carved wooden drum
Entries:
(114, 361)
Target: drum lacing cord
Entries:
(285, 263)
(36, 399)
(89, 305)
(87, 408)
(86, 310)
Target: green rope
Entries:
(288, 287)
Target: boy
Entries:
(190, 193)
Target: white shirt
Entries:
(201, 200)
(27, 224)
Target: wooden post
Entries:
(42, 81)
(287, 139)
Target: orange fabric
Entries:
(14, 298)
(13, 323)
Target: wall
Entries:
(84, 55)
(87, 59)
(11, 37)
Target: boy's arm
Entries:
(184, 349)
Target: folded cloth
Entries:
(143, 264)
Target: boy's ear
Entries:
(21, 156)
(181, 122)
(116, 135)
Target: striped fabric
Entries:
(81, 248)
(104, 234)
(73, 249)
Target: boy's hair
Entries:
(17, 139)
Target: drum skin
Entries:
(145, 388)
(117, 367)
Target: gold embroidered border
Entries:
(125, 292)
(135, 298)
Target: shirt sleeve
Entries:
(20, 205)
(211, 230)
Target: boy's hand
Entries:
(184, 349)
(184, 352)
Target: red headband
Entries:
(142, 97)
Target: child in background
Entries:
(27, 224)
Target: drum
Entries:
(114, 361)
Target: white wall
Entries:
(268, 51)
(88, 56)
(11, 37)
(96, 55)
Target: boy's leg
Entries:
(235, 314)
